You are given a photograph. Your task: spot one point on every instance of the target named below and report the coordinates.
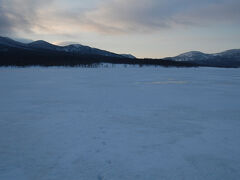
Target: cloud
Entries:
(114, 16)
(20, 15)
(217, 12)
(154, 15)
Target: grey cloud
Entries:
(19, 15)
(152, 15)
(116, 16)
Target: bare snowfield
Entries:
(119, 123)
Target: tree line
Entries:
(24, 57)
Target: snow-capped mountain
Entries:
(128, 56)
(192, 56)
(233, 53)
(13, 50)
(73, 48)
(226, 58)
(80, 49)
(199, 56)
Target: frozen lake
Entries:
(119, 123)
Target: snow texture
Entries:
(119, 124)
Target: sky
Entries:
(144, 28)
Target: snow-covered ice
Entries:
(119, 123)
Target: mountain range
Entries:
(72, 48)
(44, 53)
(229, 58)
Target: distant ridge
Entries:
(75, 48)
(43, 45)
(229, 58)
(44, 53)
(11, 43)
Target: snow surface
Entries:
(119, 124)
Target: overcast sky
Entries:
(144, 28)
